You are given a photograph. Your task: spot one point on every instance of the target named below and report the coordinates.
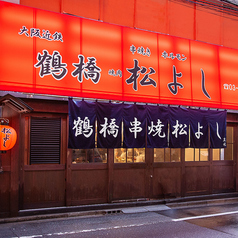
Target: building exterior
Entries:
(63, 57)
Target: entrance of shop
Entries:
(93, 183)
(211, 171)
(163, 173)
(148, 180)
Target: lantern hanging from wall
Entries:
(8, 137)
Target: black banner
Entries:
(82, 116)
(217, 124)
(157, 127)
(199, 128)
(178, 127)
(134, 119)
(109, 121)
(144, 126)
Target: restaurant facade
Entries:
(116, 101)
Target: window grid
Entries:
(129, 155)
(96, 155)
(167, 154)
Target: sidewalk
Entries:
(123, 207)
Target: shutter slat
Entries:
(45, 140)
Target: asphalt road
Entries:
(157, 221)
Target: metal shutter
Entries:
(45, 138)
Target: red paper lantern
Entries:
(8, 137)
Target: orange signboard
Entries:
(228, 76)
(50, 53)
(174, 70)
(205, 74)
(140, 65)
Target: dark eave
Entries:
(15, 103)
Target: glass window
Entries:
(132, 155)
(159, 155)
(196, 154)
(227, 153)
(189, 154)
(96, 155)
(167, 155)
(203, 154)
(216, 154)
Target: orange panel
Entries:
(174, 70)
(181, 19)
(82, 8)
(52, 5)
(118, 12)
(205, 74)
(208, 26)
(228, 73)
(101, 42)
(65, 51)
(16, 58)
(140, 65)
(230, 33)
(151, 17)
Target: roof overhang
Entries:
(15, 103)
